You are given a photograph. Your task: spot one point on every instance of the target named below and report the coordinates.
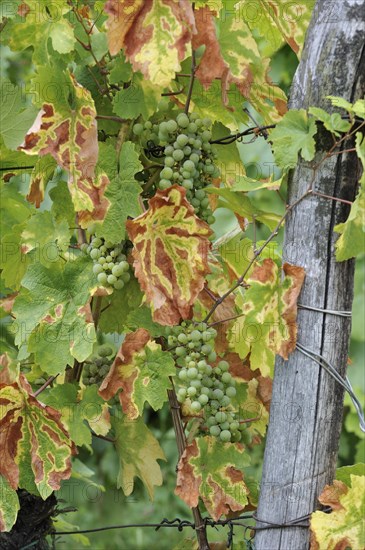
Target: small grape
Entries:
(196, 406)
(102, 278)
(182, 120)
(118, 285)
(215, 431)
(138, 129)
(178, 155)
(225, 435)
(230, 391)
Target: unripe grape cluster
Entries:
(110, 262)
(98, 366)
(203, 387)
(189, 158)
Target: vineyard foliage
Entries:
(119, 149)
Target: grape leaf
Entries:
(118, 306)
(171, 254)
(16, 117)
(332, 122)
(9, 505)
(212, 470)
(122, 194)
(68, 132)
(235, 59)
(344, 526)
(140, 98)
(294, 134)
(76, 407)
(154, 35)
(141, 317)
(142, 370)
(13, 262)
(270, 309)
(352, 240)
(51, 313)
(344, 472)
(43, 22)
(291, 19)
(41, 174)
(46, 237)
(34, 441)
(138, 452)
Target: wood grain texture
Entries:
(307, 404)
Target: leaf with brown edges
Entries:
(171, 246)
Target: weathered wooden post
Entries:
(307, 404)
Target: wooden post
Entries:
(307, 404)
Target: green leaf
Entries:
(345, 472)
(9, 505)
(294, 134)
(123, 193)
(141, 317)
(240, 204)
(142, 370)
(46, 237)
(52, 309)
(332, 122)
(15, 116)
(246, 184)
(62, 207)
(269, 324)
(138, 452)
(13, 262)
(119, 305)
(140, 98)
(36, 448)
(344, 526)
(75, 409)
(352, 240)
(212, 470)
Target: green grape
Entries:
(214, 431)
(196, 406)
(171, 126)
(203, 399)
(138, 129)
(97, 268)
(178, 154)
(166, 173)
(223, 365)
(191, 391)
(182, 140)
(226, 378)
(118, 285)
(220, 417)
(192, 373)
(230, 391)
(225, 435)
(169, 161)
(182, 120)
(102, 278)
(104, 350)
(183, 374)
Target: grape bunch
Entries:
(189, 158)
(110, 262)
(205, 388)
(98, 366)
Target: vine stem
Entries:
(45, 385)
(200, 527)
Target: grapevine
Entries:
(205, 386)
(189, 157)
(110, 262)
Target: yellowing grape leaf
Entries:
(142, 370)
(155, 35)
(36, 448)
(76, 407)
(270, 309)
(138, 452)
(67, 130)
(171, 246)
(344, 526)
(212, 470)
(9, 505)
(352, 240)
(234, 58)
(291, 19)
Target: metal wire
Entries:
(344, 382)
